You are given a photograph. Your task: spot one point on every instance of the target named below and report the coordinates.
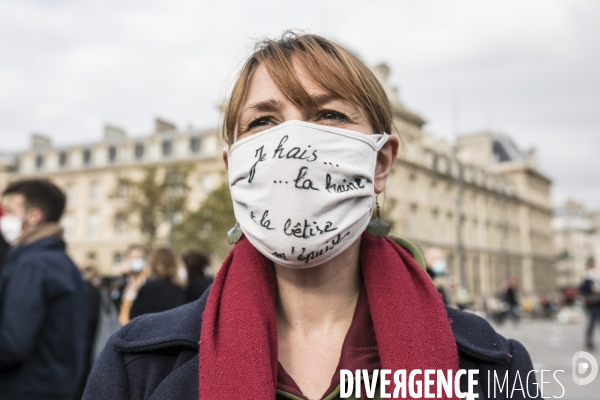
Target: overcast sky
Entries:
(528, 68)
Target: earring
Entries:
(378, 227)
(234, 234)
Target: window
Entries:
(166, 147)
(122, 191)
(139, 150)
(39, 161)
(117, 257)
(68, 225)
(95, 191)
(62, 159)
(87, 156)
(70, 193)
(195, 144)
(120, 224)
(112, 154)
(93, 225)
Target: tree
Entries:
(206, 228)
(156, 198)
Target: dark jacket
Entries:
(156, 356)
(4, 248)
(157, 295)
(43, 317)
(196, 288)
(591, 298)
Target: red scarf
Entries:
(238, 342)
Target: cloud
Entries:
(524, 67)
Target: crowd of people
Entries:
(56, 317)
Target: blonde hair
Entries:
(331, 66)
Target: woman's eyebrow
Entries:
(325, 98)
(265, 106)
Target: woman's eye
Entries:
(333, 115)
(259, 122)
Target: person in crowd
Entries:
(590, 290)
(43, 299)
(4, 247)
(435, 261)
(511, 299)
(92, 279)
(312, 285)
(133, 273)
(195, 264)
(164, 290)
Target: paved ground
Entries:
(552, 346)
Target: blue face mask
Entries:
(137, 264)
(439, 267)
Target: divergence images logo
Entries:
(581, 367)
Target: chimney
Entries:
(113, 133)
(160, 125)
(40, 142)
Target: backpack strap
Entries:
(411, 248)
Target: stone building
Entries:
(95, 223)
(482, 200)
(576, 239)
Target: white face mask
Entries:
(11, 228)
(302, 192)
(439, 266)
(137, 264)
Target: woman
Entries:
(195, 264)
(306, 291)
(163, 291)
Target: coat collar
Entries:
(48, 243)
(181, 326)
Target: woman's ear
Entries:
(226, 160)
(385, 161)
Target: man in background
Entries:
(43, 299)
(590, 290)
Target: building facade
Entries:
(481, 199)
(576, 240)
(95, 221)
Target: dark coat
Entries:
(196, 288)
(156, 356)
(157, 295)
(43, 318)
(4, 248)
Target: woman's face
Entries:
(265, 106)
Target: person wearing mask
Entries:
(590, 290)
(43, 298)
(313, 285)
(163, 290)
(195, 264)
(133, 273)
(435, 261)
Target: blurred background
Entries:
(496, 103)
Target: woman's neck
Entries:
(319, 297)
